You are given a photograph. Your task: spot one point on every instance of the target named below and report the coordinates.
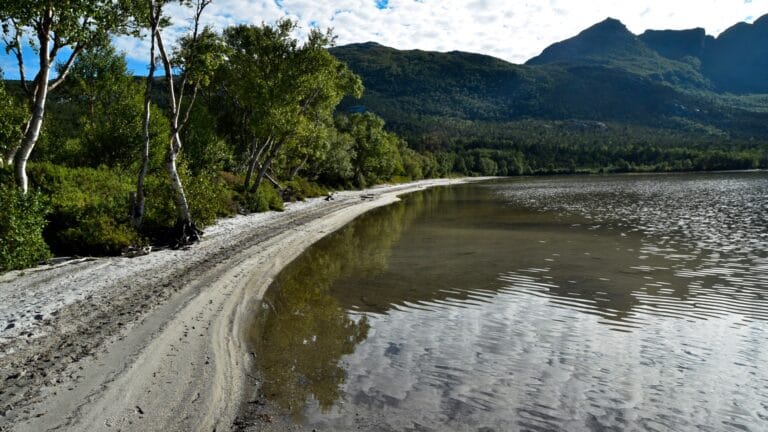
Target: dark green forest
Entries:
(96, 161)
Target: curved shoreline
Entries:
(155, 342)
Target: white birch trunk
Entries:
(138, 210)
(187, 231)
(185, 218)
(36, 122)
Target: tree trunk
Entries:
(36, 122)
(137, 216)
(255, 155)
(266, 165)
(298, 168)
(186, 230)
(11, 153)
(273, 181)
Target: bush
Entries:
(90, 212)
(21, 229)
(160, 209)
(265, 199)
(300, 189)
(209, 199)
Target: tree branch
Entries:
(189, 109)
(55, 48)
(199, 6)
(16, 49)
(67, 67)
(168, 70)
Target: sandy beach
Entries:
(153, 342)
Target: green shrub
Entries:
(96, 233)
(90, 212)
(400, 179)
(160, 213)
(232, 180)
(300, 189)
(265, 199)
(21, 229)
(209, 199)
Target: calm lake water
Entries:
(545, 304)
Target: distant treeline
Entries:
(534, 147)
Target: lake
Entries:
(593, 303)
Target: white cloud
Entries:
(514, 30)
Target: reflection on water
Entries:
(302, 331)
(563, 304)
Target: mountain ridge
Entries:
(735, 61)
(638, 91)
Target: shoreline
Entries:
(155, 342)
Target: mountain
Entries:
(737, 61)
(611, 44)
(602, 42)
(677, 44)
(597, 99)
(477, 87)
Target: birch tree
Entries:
(282, 89)
(57, 31)
(148, 14)
(196, 57)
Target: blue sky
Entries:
(514, 30)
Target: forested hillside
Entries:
(605, 99)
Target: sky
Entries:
(513, 30)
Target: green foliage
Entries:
(412, 164)
(265, 199)
(160, 214)
(21, 225)
(336, 167)
(89, 209)
(104, 17)
(281, 94)
(300, 189)
(545, 147)
(97, 117)
(12, 116)
(376, 151)
(204, 150)
(200, 55)
(52, 28)
(109, 103)
(209, 198)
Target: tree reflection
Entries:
(302, 331)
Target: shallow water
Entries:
(547, 304)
